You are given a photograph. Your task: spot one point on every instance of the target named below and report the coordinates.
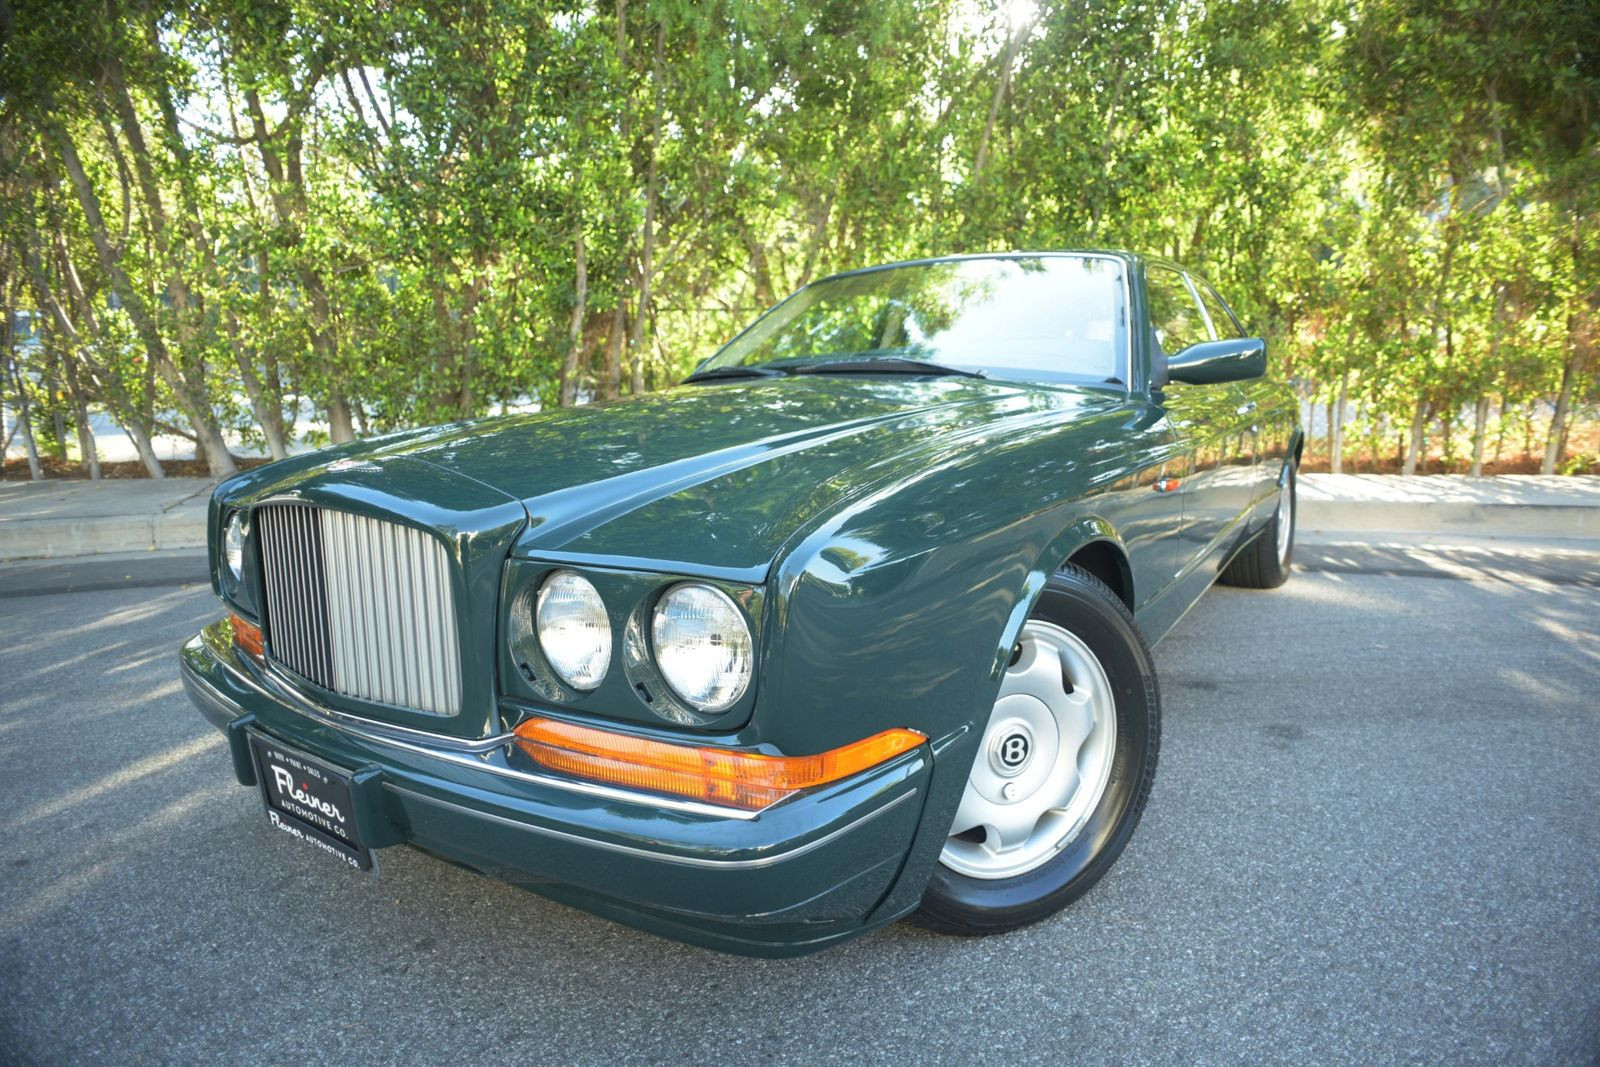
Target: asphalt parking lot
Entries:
(1374, 837)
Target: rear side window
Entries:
(1220, 316)
(1173, 313)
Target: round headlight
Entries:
(233, 546)
(702, 646)
(574, 631)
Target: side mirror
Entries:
(1236, 359)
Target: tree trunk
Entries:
(467, 370)
(143, 445)
(195, 403)
(1480, 425)
(136, 423)
(446, 354)
(25, 419)
(760, 270)
(1554, 444)
(72, 342)
(13, 374)
(52, 402)
(611, 380)
(1008, 58)
(819, 232)
(1336, 445)
(1480, 415)
(267, 411)
(88, 454)
(7, 313)
(288, 197)
(1500, 435)
(651, 195)
(1414, 448)
(580, 301)
(269, 419)
(611, 375)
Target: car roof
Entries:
(1053, 253)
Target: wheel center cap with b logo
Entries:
(1011, 749)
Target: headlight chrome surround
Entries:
(702, 645)
(573, 629)
(233, 548)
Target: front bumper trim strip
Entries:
(473, 757)
(650, 854)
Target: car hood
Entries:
(713, 479)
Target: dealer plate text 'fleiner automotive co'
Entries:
(308, 800)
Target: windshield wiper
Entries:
(713, 374)
(883, 365)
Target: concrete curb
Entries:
(1523, 506)
(61, 519)
(65, 519)
(53, 539)
(1527, 520)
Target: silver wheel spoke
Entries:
(1010, 828)
(1038, 673)
(1076, 720)
(972, 813)
(1004, 826)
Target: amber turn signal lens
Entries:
(247, 635)
(730, 778)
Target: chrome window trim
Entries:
(1205, 312)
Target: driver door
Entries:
(1210, 419)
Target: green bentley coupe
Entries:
(852, 625)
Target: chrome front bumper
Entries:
(794, 877)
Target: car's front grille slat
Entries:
(361, 607)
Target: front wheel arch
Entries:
(956, 901)
(1106, 560)
(1080, 536)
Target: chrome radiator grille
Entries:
(360, 606)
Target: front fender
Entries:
(900, 610)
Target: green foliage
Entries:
(314, 218)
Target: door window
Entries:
(1218, 312)
(1174, 315)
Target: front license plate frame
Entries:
(308, 799)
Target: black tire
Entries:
(957, 903)
(1259, 564)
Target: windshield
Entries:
(1029, 317)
